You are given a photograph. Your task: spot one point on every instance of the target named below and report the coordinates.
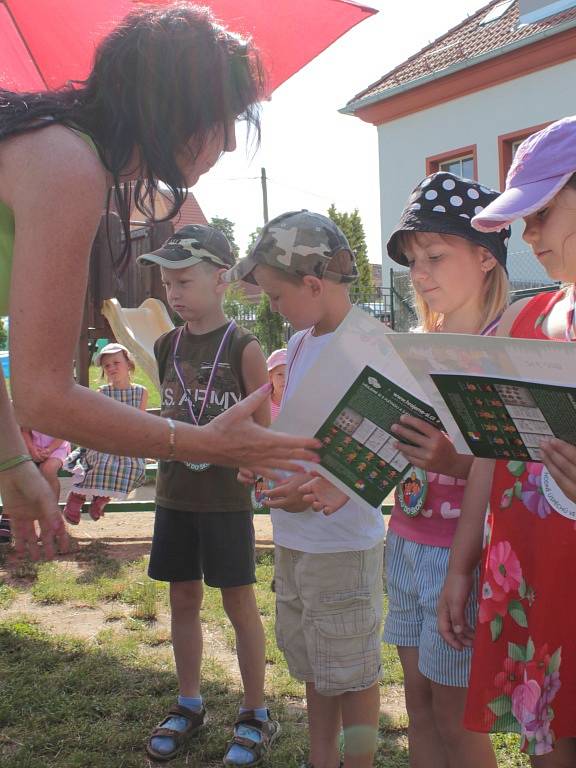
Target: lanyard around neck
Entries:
(179, 374)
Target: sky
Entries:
(313, 155)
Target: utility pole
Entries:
(264, 195)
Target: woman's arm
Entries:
(465, 554)
(26, 496)
(57, 201)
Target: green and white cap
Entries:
(189, 246)
(300, 243)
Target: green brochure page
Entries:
(508, 418)
(358, 444)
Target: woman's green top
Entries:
(7, 243)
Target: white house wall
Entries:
(479, 118)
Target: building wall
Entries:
(479, 119)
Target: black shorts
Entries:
(216, 546)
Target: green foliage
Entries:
(3, 335)
(227, 228)
(351, 225)
(269, 326)
(236, 305)
(252, 239)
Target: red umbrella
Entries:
(44, 43)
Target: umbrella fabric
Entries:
(48, 42)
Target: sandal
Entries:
(246, 723)
(96, 508)
(195, 722)
(73, 507)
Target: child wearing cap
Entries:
(523, 676)
(460, 286)
(328, 570)
(276, 365)
(103, 476)
(203, 530)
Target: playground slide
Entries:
(138, 329)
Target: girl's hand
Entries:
(560, 459)
(322, 496)
(234, 439)
(432, 450)
(451, 611)
(287, 495)
(27, 498)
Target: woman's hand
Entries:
(322, 496)
(287, 495)
(432, 450)
(27, 498)
(234, 439)
(451, 611)
(560, 459)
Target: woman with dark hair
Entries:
(160, 105)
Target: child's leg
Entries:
(424, 743)
(185, 603)
(324, 722)
(465, 749)
(242, 610)
(360, 715)
(563, 756)
(50, 469)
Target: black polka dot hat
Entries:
(445, 204)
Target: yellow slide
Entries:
(138, 329)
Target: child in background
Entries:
(328, 570)
(276, 365)
(49, 454)
(103, 475)
(460, 286)
(203, 530)
(523, 677)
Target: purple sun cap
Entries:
(542, 165)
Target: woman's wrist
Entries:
(13, 462)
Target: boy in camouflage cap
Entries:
(299, 243)
(328, 569)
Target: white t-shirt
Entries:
(352, 528)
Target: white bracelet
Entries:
(171, 440)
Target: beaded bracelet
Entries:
(15, 461)
(171, 440)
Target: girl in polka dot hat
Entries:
(523, 676)
(460, 286)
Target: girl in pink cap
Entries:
(523, 677)
(276, 364)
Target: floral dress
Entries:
(523, 677)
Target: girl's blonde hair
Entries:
(496, 289)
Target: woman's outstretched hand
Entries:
(234, 439)
(34, 514)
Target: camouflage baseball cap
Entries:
(301, 243)
(189, 246)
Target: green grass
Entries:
(69, 703)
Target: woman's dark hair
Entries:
(164, 76)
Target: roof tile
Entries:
(465, 41)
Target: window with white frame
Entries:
(460, 166)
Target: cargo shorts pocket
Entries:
(346, 648)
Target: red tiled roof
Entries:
(463, 43)
(190, 213)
